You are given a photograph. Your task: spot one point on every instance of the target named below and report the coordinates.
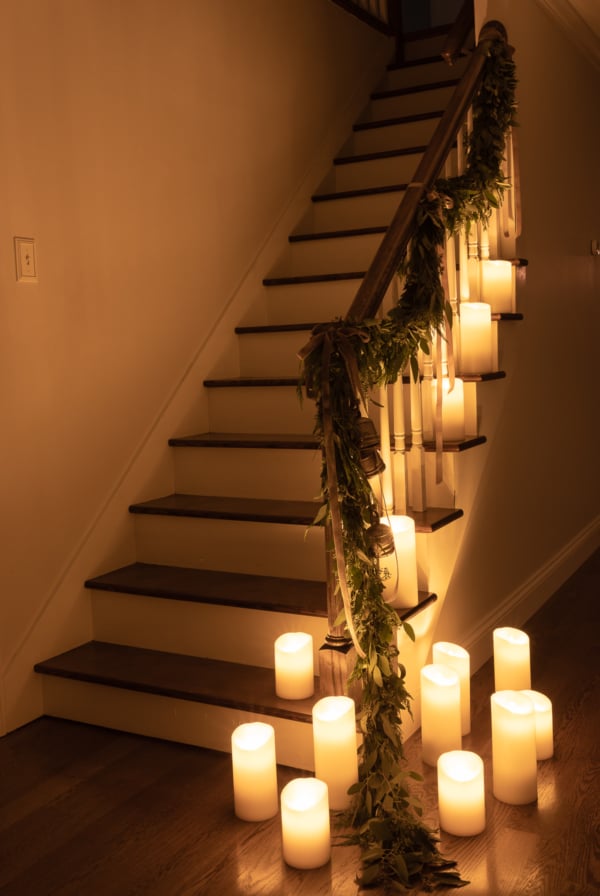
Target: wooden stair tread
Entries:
(381, 154)
(249, 381)
(266, 510)
(273, 593)
(313, 278)
(397, 119)
(201, 680)
(415, 88)
(263, 510)
(337, 234)
(359, 191)
(246, 440)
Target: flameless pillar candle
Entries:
(461, 793)
(458, 659)
(254, 771)
(294, 666)
(305, 829)
(512, 670)
(335, 747)
(453, 409)
(544, 733)
(440, 711)
(497, 284)
(401, 588)
(514, 756)
(475, 337)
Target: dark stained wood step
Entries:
(201, 680)
(264, 510)
(313, 278)
(246, 440)
(416, 88)
(215, 507)
(337, 234)
(251, 381)
(381, 154)
(396, 120)
(362, 191)
(272, 593)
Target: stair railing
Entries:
(336, 656)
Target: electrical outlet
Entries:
(25, 259)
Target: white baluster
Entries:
(399, 459)
(387, 486)
(417, 453)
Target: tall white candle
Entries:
(335, 747)
(294, 666)
(453, 409)
(544, 729)
(512, 667)
(254, 771)
(461, 793)
(498, 284)
(514, 755)
(401, 588)
(457, 658)
(475, 337)
(305, 828)
(440, 711)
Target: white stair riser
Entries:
(393, 136)
(298, 303)
(371, 173)
(234, 634)
(424, 47)
(290, 474)
(272, 354)
(169, 718)
(328, 256)
(376, 210)
(407, 104)
(273, 549)
(413, 75)
(259, 409)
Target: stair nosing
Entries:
(217, 507)
(381, 154)
(415, 88)
(361, 126)
(298, 441)
(359, 192)
(338, 234)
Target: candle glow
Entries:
(457, 658)
(335, 747)
(294, 666)
(514, 754)
(512, 671)
(440, 711)
(498, 284)
(254, 771)
(475, 337)
(544, 733)
(305, 827)
(401, 589)
(461, 794)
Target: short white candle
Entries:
(514, 756)
(512, 667)
(440, 711)
(254, 771)
(401, 588)
(461, 793)
(475, 337)
(453, 410)
(305, 829)
(457, 658)
(544, 729)
(335, 747)
(294, 666)
(498, 284)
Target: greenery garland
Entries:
(397, 850)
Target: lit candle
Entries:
(440, 711)
(457, 658)
(401, 588)
(511, 660)
(453, 410)
(335, 747)
(498, 284)
(461, 793)
(475, 337)
(544, 733)
(305, 829)
(294, 666)
(514, 756)
(254, 771)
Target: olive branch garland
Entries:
(398, 851)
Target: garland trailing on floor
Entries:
(342, 362)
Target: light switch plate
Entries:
(25, 259)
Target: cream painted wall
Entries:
(535, 514)
(152, 148)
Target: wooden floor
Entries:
(90, 812)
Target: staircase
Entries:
(183, 638)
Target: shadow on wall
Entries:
(417, 15)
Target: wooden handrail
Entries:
(459, 33)
(377, 279)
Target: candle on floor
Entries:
(461, 793)
(498, 284)
(514, 754)
(401, 588)
(440, 711)
(335, 747)
(544, 729)
(305, 829)
(475, 337)
(254, 771)
(512, 668)
(294, 666)
(457, 658)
